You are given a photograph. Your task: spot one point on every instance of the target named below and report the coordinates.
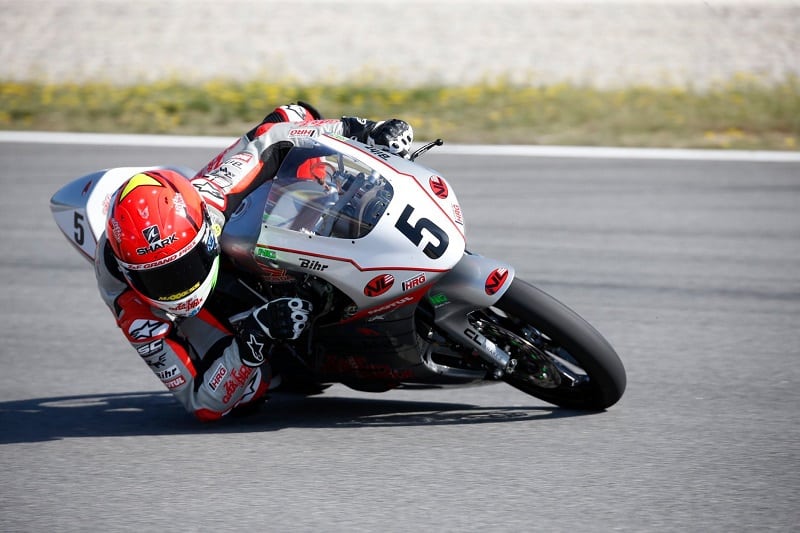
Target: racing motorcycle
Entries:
(377, 243)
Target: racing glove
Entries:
(281, 319)
(394, 135)
(284, 318)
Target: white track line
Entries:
(183, 141)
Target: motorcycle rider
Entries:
(159, 266)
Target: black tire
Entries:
(543, 334)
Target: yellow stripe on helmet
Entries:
(137, 181)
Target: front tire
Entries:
(560, 358)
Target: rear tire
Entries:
(561, 358)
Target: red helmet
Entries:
(164, 242)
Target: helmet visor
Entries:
(179, 278)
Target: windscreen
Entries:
(323, 192)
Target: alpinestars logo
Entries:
(256, 348)
(144, 329)
(154, 241)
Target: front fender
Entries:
(475, 280)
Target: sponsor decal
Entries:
(379, 285)
(209, 190)
(207, 235)
(390, 306)
(150, 348)
(237, 379)
(211, 239)
(438, 300)
(158, 362)
(219, 374)
(116, 230)
(320, 122)
(312, 264)
(439, 187)
(275, 275)
(302, 132)
(293, 112)
(458, 217)
(144, 213)
(168, 374)
(106, 204)
(252, 388)
(188, 305)
(175, 383)
(266, 253)
(179, 295)
(496, 280)
(154, 241)
(414, 282)
(256, 348)
(151, 234)
(157, 262)
(142, 329)
(179, 204)
(379, 153)
(227, 172)
(244, 157)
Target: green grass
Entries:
(742, 113)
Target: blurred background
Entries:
(702, 73)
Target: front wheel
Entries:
(560, 358)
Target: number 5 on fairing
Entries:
(80, 232)
(415, 235)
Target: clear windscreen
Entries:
(323, 192)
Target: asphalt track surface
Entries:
(690, 268)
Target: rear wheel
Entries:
(560, 358)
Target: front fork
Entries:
(475, 282)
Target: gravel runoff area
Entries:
(605, 43)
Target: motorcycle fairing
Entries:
(314, 222)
